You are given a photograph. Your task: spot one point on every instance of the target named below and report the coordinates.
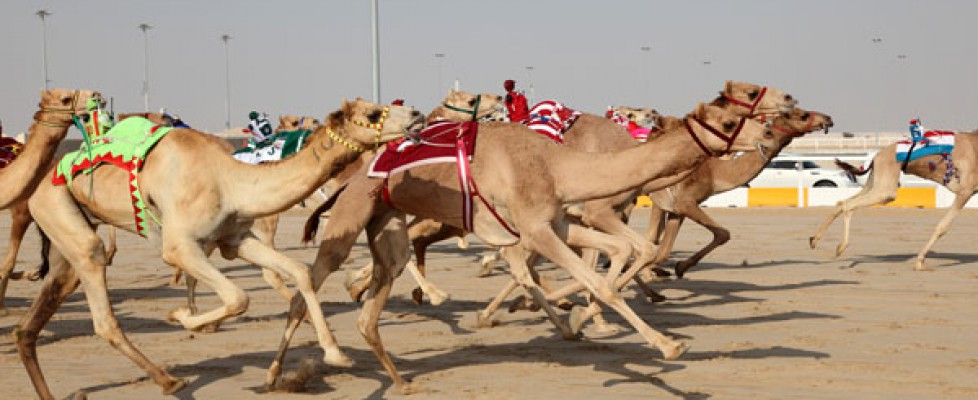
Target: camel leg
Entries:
(423, 233)
(257, 252)
(181, 251)
(20, 220)
(112, 248)
(849, 206)
(60, 282)
(486, 262)
(881, 188)
(484, 317)
(720, 236)
(517, 257)
(545, 241)
(959, 201)
(338, 239)
(387, 236)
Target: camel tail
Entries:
(312, 224)
(42, 271)
(852, 171)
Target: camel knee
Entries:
(722, 236)
(236, 304)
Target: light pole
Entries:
(647, 50)
(438, 61)
(374, 28)
(529, 79)
(44, 50)
(227, 81)
(145, 27)
(878, 43)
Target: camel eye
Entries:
(631, 116)
(805, 116)
(66, 100)
(728, 126)
(752, 95)
(374, 116)
(472, 102)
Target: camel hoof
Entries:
(921, 267)
(438, 298)
(482, 321)
(654, 297)
(462, 243)
(178, 315)
(566, 305)
(812, 242)
(33, 276)
(176, 386)
(417, 295)
(485, 271)
(681, 269)
(576, 320)
(336, 358)
(409, 388)
(521, 302)
(839, 250)
(661, 273)
(673, 350)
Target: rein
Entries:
(474, 112)
(728, 140)
(751, 107)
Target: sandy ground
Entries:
(766, 318)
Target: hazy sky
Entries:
(303, 57)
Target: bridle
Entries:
(474, 112)
(378, 126)
(54, 110)
(808, 128)
(751, 107)
(715, 132)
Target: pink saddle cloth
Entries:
(435, 144)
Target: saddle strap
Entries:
(470, 190)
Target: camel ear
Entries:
(700, 110)
(451, 92)
(728, 87)
(347, 109)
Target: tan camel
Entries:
(525, 179)
(640, 115)
(51, 124)
(594, 134)
(203, 199)
(292, 122)
(881, 187)
(457, 106)
(21, 220)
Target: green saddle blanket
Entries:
(125, 146)
(277, 147)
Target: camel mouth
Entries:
(498, 114)
(763, 151)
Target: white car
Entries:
(783, 171)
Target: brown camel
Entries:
(202, 199)
(525, 179)
(881, 187)
(21, 220)
(594, 134)
(682, 200)
(51, 124)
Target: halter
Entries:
(749, 106)
(378, 126)
(806, 129)
(341, 140)
(69, 110)
(474, 112)
(728, 140)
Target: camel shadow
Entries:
(956, 259)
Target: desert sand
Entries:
(767, 318)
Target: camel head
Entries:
(464, 106)
(754, 100)
(370, 124)
(643, 116)
(58, 106)
(292, 123)
(795, 123)
(721, 131)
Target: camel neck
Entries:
(19, 179)
(274, 187)
(585, 176)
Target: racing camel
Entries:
(200, 199)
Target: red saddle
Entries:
(10, 148)
(435, 144)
